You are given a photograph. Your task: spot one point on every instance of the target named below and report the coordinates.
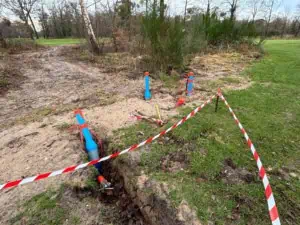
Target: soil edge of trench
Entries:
(152, 196)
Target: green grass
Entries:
(58, 42)
(231, 80)
(169, 81)
(66, 41)
(270, 112)
(43, 208)
(3, 82)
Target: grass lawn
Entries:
(58, 42)
(270, 112)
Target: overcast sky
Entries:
(176, 7)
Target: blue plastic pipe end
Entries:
(190, 84)
(147, 94)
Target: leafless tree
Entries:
(23, 9)
(89, 29)
(186, 9)
(285, 18)
(233, 4)
(270, 6)
(255, 6)
(1, 6)
(296, 22)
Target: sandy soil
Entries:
(52, 88)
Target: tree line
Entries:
(151, 24)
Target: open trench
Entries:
(35, 138)
(34, 120)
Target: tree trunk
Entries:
(147, 1)
(269, 19)
(29, 28)
(185, 8)
(35, 32)
(89, 29)
(207, 19)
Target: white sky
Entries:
(176, 7)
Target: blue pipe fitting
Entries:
(190, 84)
(147, 94)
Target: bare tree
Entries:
(296, 22)
(233, 4)
(187, 10)
(270, 6)
(23, 9)
(1, 6)
(255, 7)
(43, 20)
(285, 20)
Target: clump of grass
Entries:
(4, 83)
(231, 80)
(44, 111)
(15, 45)
(63, 126)
(169, 81)
(36, 115)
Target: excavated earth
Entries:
(34, 136)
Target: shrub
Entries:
(165, 39)
(20, 44)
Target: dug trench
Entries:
(35, 115)
(141, 200)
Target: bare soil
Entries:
(35, 112)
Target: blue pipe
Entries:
(90, 145)
(147, 94)
(190, 85)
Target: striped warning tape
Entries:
(77, 167)
(262, 172)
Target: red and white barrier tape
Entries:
(112, 156)
(262, 172)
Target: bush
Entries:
(165, 39)
(20, 44)
(195, 39)
(229, 31)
